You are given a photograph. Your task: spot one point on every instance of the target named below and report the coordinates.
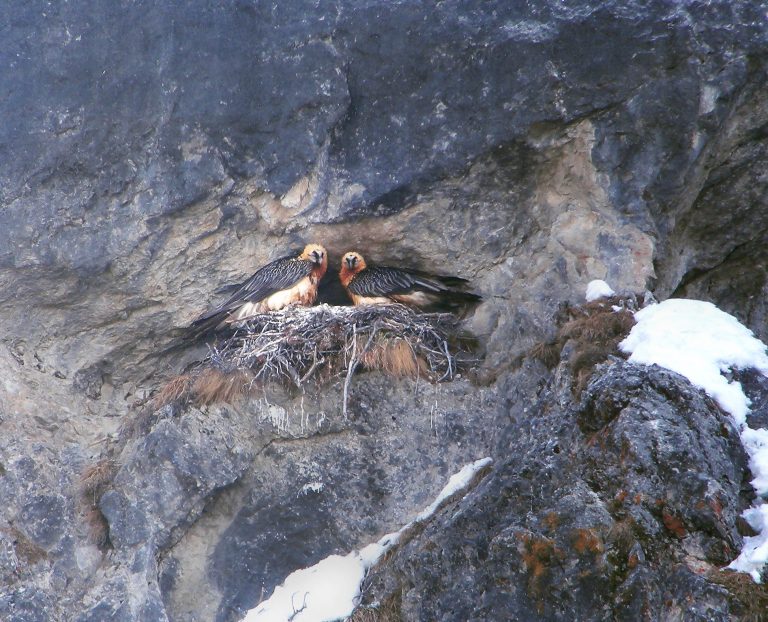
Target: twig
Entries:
(355, 361)
(350, 370)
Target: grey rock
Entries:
(622, 521)
(26, 605)
(43, 517)
(89, 381)
(152, 154)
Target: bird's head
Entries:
(352, 262)
(316, 254)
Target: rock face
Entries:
(631, 500)
(151, 154)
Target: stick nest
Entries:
(301, 346)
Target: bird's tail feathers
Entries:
(452, 281)
(205, 324)
(455, 300)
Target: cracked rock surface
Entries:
(152, 154)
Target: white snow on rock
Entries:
(701, 342)
(756, 444)
(698, 341)
(598, 289)
(754, 552)
(316, 487)
(330, 589)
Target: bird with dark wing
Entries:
(375, 285)
(285, 281)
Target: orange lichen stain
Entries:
(552, 520)
(587, 540)
(538, 554)
(673, 524)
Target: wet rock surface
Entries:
(528, 148)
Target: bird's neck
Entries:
(346, 275)
(318, 272)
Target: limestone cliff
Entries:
(154, 152)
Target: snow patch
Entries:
(754, 553)
(315, 487)
(330, 589)
(598, 289)
(325, 591)
(701, 342)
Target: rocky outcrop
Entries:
(236, 499)
(618, 507)
(152, 154)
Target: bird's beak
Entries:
(317, 257)
(351, 261)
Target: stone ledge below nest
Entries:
(303, 346)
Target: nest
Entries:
(302, 346)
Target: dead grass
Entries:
(387, 611)
(212, 385)
(595, 331)
(94, 481)
(173, 391)
(751, 597)
(547, 352)
(95, 478)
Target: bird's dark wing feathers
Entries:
(385, 281)
(275, 276)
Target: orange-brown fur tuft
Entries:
(395, 357)
(213, 386)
